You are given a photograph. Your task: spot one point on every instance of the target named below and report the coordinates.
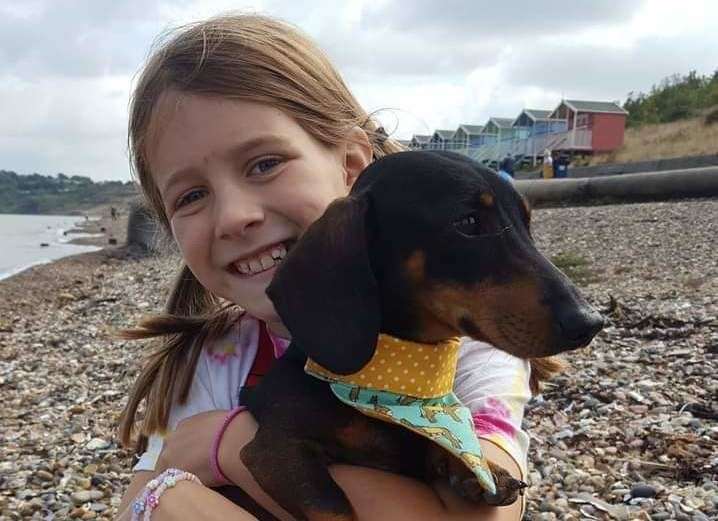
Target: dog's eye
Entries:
(468, 225)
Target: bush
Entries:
(38, 194)
(677, 97)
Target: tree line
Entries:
(676, 97)
(62, 194)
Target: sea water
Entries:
(22, 238)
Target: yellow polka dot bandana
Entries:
(404, 367)
(411, 385)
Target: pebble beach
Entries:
(628, 432)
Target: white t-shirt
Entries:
(492, 384)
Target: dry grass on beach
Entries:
(688, 137)
(634, 416)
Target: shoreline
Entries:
(96, 231)
(101, 227)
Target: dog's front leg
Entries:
(294, 473)
(441, 464)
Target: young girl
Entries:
(241, 133)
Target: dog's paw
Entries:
(508, 488)
(443, 465)
(465, 484)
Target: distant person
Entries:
(561, 166)
(547, 164)
(507, 165)
(113, 213)
(506, 169)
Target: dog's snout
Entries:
(578, 326)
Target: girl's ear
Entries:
(358, 154)
(325, 291)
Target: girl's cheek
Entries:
(314, 206)
(176, 233)
(183, 234)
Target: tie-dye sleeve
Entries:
(495, 387)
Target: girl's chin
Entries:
(248, 292)
(265, 312)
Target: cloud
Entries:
(70, 125)
(477, 20)
(68, 65)
(610, 73)
(76, 38)
(390, 56)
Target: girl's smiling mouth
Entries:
(262, 261)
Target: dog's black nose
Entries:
(578, 326)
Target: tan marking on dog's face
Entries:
(416, 267)
(508, 316)
(487, 200)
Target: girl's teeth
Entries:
(264, 262)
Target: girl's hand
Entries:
(188, 446)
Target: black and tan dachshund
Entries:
(428, 245)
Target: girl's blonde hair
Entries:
(247, 57)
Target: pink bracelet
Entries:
(149, 498)
(217, 473)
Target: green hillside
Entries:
(60, 195)
(677, 97)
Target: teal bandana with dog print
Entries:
(410, 384)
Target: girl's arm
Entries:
(138, 481)
(381, 495)
(184, 501)
(374, 494)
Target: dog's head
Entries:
(428, 245)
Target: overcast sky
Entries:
(68, 65)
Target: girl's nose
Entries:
(236, 213)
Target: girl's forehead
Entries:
(183, 125)
(175, 110)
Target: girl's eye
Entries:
(187, 198)
(264, 166)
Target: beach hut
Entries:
(419, 141)
(497, 129)
(533, 122)
(442, 140)
(468, 136)
(595, 126)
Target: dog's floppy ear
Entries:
(325, 291)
